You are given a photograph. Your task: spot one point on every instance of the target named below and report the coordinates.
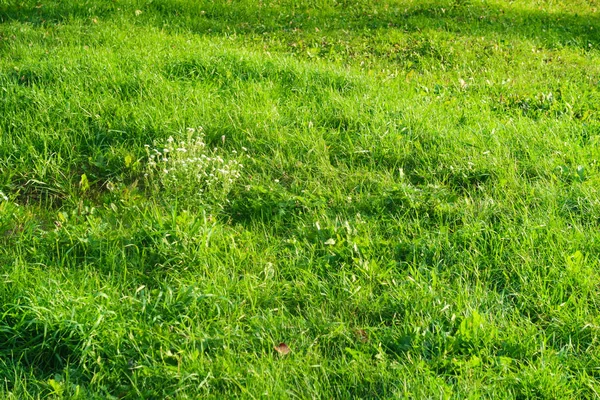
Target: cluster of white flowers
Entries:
(188, 169)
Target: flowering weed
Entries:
(188, 171)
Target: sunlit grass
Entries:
(404, 193)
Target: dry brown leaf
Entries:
(361, 335)
(282, 349)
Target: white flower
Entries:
(200, 173)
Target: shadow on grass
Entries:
(550, 29)
(54, 12)
(42, 348)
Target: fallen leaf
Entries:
(138, 12)
(361, 335)
(330, 242)
(282, 349)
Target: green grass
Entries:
(416, 213)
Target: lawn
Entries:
(299, 199)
